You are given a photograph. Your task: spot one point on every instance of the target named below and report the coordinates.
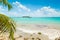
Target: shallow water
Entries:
(40, 20)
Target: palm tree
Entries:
(6, 3)
(7, 25)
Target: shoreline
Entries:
(51, 30)
(48, 31)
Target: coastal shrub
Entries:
(39, 33)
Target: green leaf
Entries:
(0, 0)
(11, 36)
(5, 2)
(7, 25)
(9, 6)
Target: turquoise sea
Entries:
(38, 20)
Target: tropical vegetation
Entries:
(6, 23)
(6, 3)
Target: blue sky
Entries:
(39, 3)
(34, 8)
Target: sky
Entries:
(32, 8)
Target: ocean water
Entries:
(41, 20)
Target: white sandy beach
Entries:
(51, 30)
(48, 31)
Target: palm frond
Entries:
(9, 6)
(7, 25)
(0, 0)
(6, 3)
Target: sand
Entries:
(29, 31)
(51, 30)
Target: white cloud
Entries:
(45, 12)
(1, 8)
(21, 6)
(21, 10)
